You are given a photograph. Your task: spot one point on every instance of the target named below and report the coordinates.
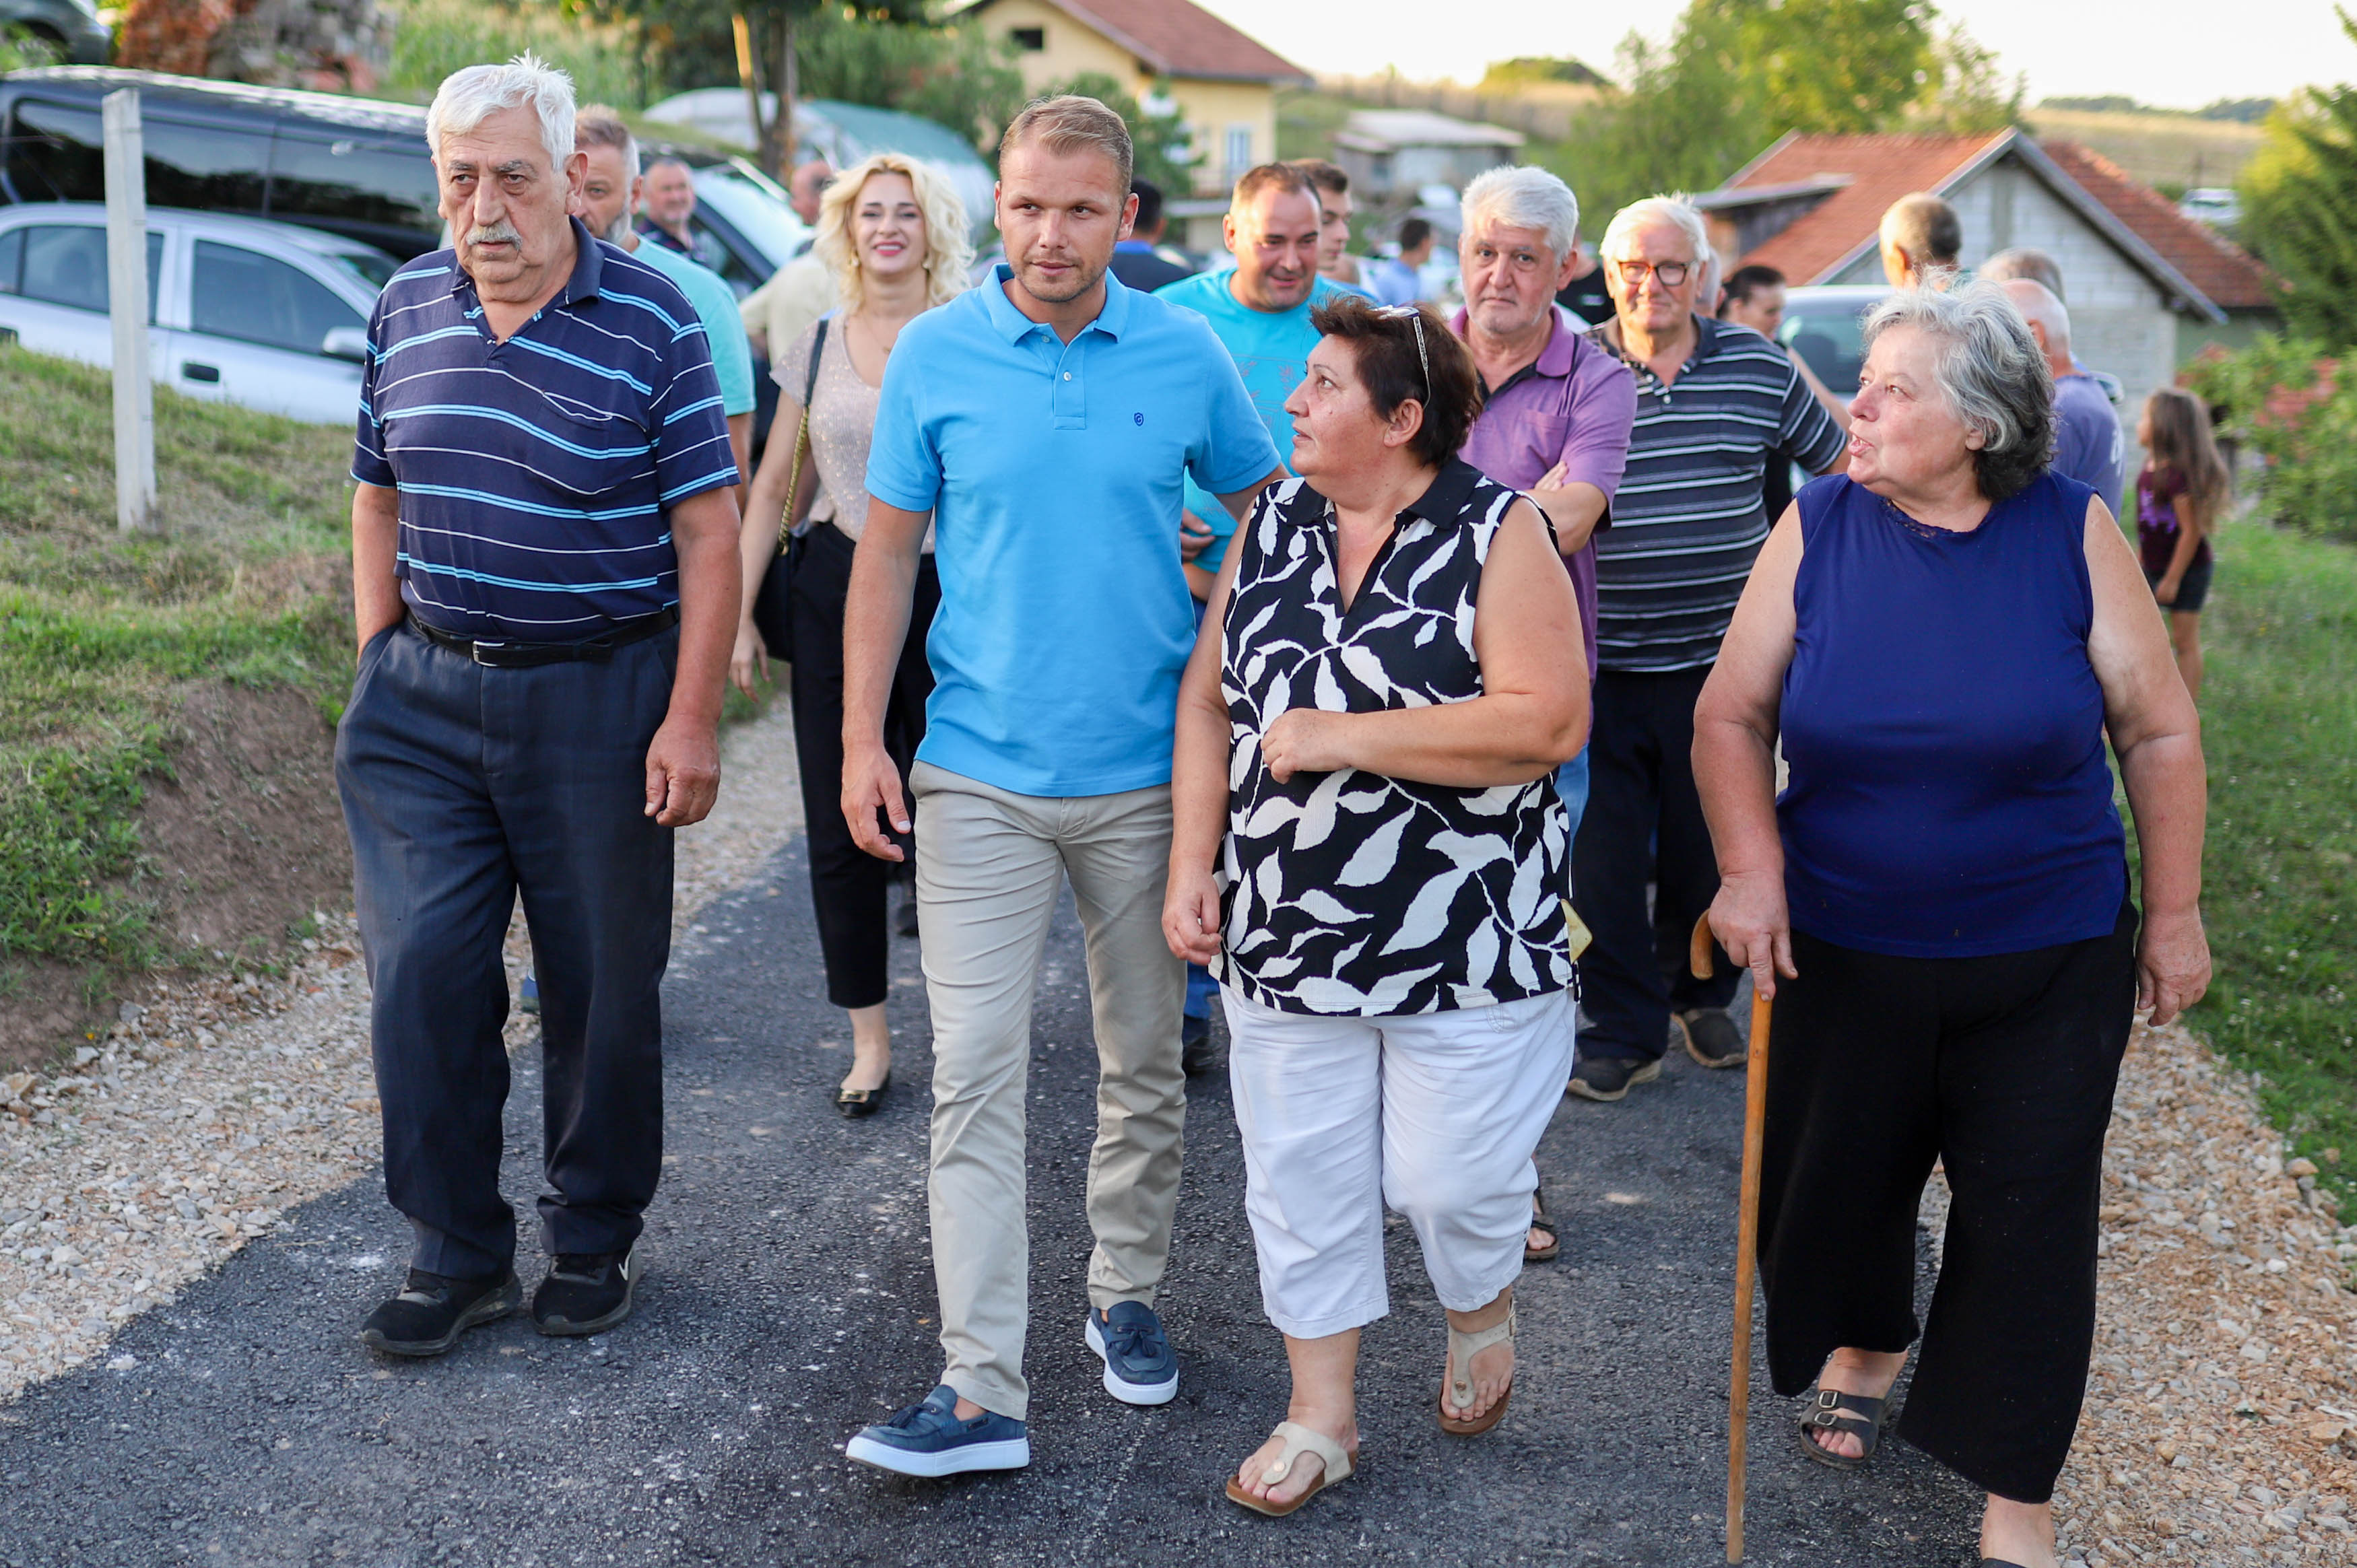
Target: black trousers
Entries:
(2004, 1067)
(1643, 823)
(464, 786)
(849, 887)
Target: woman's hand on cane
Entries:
(1750, 920)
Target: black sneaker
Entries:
(432, 1310)
(1609, 1079)
(1710, 1038)
(1195, 1052)
(585, 1293)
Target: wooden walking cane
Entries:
(1747, 1240)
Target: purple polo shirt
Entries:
(1574, 404)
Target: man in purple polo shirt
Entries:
(1556, 409)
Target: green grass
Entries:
(97, 628)
(2279, 730)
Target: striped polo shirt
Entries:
(535, 474)
(1687, 521)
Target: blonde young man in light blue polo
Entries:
(1044, 423)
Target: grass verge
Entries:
(2279, 709)
(97, 627)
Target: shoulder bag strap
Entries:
(787, 523)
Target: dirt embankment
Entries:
(241, 840)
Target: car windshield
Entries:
(373, 268)
(753, 211)
(1825, 334)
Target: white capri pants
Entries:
(1435, 1114)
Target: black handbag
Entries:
(773, 607)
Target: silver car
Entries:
(267, 316)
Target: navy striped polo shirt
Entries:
(1687, 521)
(535, 474)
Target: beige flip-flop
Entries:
(1457, 1392)
(1298, 1439)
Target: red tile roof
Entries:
(2229, 275)
(1175, 37)
(1881, 170)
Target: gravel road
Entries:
(789, 1301)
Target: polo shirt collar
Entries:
(1011, 323)
(1442, 501)
(1708, 333)
(588, 269)
(1556, 361)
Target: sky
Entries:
(2175, 53)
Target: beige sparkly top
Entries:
(842, 421)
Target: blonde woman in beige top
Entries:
(893, 233)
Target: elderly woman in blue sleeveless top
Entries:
(1939, 901)
(1369, 842)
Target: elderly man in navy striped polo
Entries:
(546, 573)
(1716, 403)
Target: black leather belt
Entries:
(523, 655)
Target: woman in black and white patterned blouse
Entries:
(1369, 844)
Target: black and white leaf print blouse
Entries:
(1347, 893)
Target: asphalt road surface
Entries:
(789, 1300)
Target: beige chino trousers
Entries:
(993, 863)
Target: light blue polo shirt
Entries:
(716, 306)
(1053, 472)
(1270, 349)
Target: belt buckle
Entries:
(475, 650)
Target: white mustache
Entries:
(497, 233)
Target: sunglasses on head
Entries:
(1410, 313)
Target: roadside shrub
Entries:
(2296, 405)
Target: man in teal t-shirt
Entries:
(1260, 310)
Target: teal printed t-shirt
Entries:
(1052, 471)
(716, 306)
(1270, 349)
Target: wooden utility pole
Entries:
(126, 294)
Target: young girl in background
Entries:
(2180, 493)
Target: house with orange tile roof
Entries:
(1221, 80)
(2147, 286)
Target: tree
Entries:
(958, 76)
(2299, 207)
(1736, 74)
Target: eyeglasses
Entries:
(1410, 313)
(1671, 274)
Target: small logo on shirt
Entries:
(1140, 417)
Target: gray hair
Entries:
(466, 98)
(599, 126)
(2026, 262)
(1990, 373)
(2041, 307)
(1524, 198)
(1654, 212)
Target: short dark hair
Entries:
(1289, 178)
(1413, 231)
(1744, 282)
(1326, 177)
(1149, 204)
(1384, 341)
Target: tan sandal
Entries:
(1298, 1439)
(1456, 1391)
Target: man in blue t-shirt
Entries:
(1260, 309)
(1043, 423)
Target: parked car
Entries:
(69, 26)
(354, 167)
(1821, 325)
(267, 316)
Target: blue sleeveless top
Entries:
(1948, 795)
